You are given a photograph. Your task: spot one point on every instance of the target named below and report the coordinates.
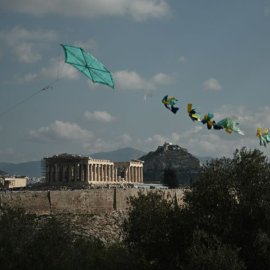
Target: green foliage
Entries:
(170, 178)
(148, 230)
(28, 243)
(16, 230)
(208, 252)
(223, 223)
(232, 201)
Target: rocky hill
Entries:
(174, 157)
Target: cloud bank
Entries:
(100, 116)
(59, 130)
(212, 85)
(139, 10)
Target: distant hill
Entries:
(123, 154)
(34, 168)
(2, 173)
(31, 168)
(186, 166)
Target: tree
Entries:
(170, 178)
(232, 202)
(16, 231)
(223, 223)
(208, 252)
(29, 242)
(148, 230)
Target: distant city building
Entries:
(67, 169)
(13, 182)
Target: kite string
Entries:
(49, 86)
(20, 102)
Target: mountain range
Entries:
(34, 168)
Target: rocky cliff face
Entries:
(173, 157)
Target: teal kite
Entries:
(170, 103)
(229, 125)
(207, 119)
(88, 65)
(263, 135)
(193, 114)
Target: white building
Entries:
(13, 182)
(67, 168)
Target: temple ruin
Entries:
(66, 169)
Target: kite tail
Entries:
(174, 109)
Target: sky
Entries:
(213, 54)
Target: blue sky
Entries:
(214, 54)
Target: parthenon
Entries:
(67, 168)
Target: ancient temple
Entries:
(66, 168)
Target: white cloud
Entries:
(161, 79)
(101, 116)
(156, 140)
(12, 154)
(212, 85)
(218, 143)
(139, 10)
(182, 59)
(101, 145)
(18, 34)
(26, 44)
(131, 80)
(59, 130)
(87, 45)
(267, 11)
(26, 54)
(56, 70)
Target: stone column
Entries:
(98, 172)
(112, 175)
(95, 172)
(55, 172)
(109, 172)
(135, 174)
(105, 173)
(132, 174)
(50, 174)
(128, 174)
(92, 167)
(68, 172)
(89, 173)
(115, 175)
(82, 178)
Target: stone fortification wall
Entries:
(82, 201)
(32, 201)
(93, 201)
